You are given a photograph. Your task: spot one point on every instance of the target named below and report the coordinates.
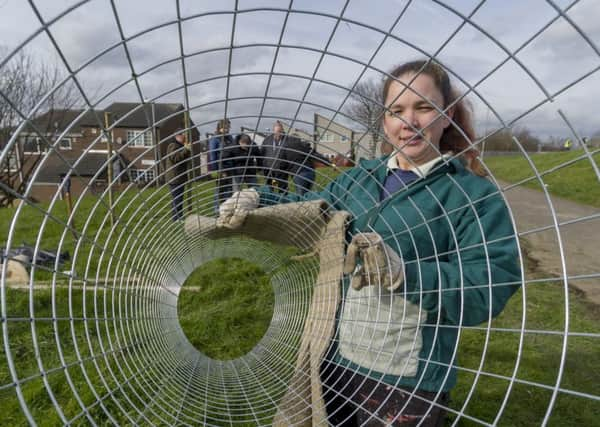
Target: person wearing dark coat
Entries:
(176, 167)
(246, 157)
(298, 159)
(271, 148)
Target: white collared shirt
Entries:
(421, 170)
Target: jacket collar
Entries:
(421, 170)
(379, 167)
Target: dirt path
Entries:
(578, 230)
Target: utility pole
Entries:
(156, 146)
(109, 169)
(191, 175)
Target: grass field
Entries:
(225, 307)
(228, 317)
(569, 175)
(141, 219)
(232, 306)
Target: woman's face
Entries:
(225, 128)
(412, 124)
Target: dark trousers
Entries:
(278, 183)
(352, 399)
(177, 200)
(304, 180)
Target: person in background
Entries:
(298, 159)
(431, 249)
(176, 167)
(246, 156)
(220, 161)
(271, 150)
(304, 176)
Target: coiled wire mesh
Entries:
(100, 337)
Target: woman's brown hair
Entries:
(458, 137)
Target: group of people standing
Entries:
(235, 161)
(238, 160)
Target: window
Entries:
(142, 175)
(33, 145)
(327, 137)
(65, 144)
(138, 138)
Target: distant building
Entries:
(83, 148)
(297, 132)
(331, 138)
(334, 138)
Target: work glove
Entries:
(234, 210)
(373, 263)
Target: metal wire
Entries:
(101, 339)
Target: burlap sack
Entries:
(303, 403)
(295, 224)
(306, 225)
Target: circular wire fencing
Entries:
(127, 126)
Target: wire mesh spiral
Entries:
(97, 339)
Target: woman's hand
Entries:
(373, 263)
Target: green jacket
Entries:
(455, 236)
(177, 163)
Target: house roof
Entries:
(139, 117)
(59, 119)
(55, 167)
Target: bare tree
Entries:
(504, 140)
(24, 82)
(367, 108)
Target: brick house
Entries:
(132, 139)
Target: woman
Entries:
(177, 161)
(246, 157)
(432, 248)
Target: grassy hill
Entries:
(569, 175)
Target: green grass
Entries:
(232, 308)
(230, 312)
(539, 363)
(147, 212)
(225, 307)
(21, 337)
(541, 306)
(575, 181)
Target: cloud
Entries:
(557, 58)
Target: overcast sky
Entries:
(555, 59)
